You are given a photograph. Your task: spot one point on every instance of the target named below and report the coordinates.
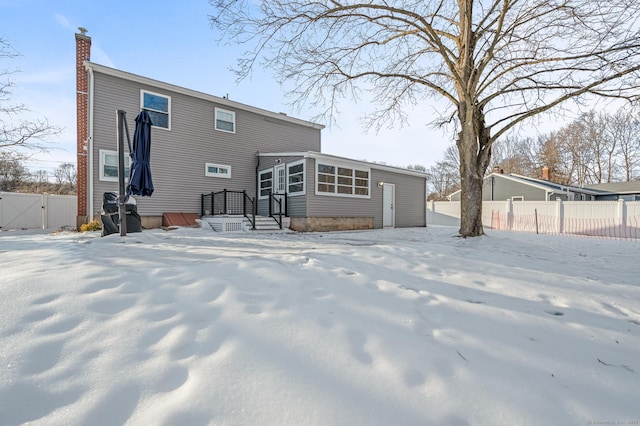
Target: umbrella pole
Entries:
(122, 208)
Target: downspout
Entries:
(90, 144)
(257, 171)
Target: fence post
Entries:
(213, 204)
(45, 200)
(621, 214)
(244, 201)
(224, 202)
(559, 215)
(509, 209)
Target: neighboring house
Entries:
(501, 187)
(203, 144)
(628, 191)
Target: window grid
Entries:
(295, 180)
(342, 181)
(266, 183)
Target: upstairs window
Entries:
(159, 108)
(225, 120)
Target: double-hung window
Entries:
(342, 180)
(225, 120)
(159, 108)
(109, 165)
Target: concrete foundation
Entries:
(322, 224)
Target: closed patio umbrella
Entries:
(140, 182)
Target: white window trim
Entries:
(219, 175)
(142, 92)
(260, 173)
(215, 120)
(517, 198)
(304, 178)
(105, 152)
(337, 164)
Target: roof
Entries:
(321, 156)
(556, 187)
(617, 187)
(196, 94)
(552, 187)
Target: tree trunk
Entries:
(474, 146)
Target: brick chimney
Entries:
(83, 53)
(545, 173)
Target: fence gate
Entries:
(32, 211)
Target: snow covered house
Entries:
(213, 157)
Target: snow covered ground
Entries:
(384, 327)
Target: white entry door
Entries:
(280, 179)
(388, 202)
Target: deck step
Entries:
(241, 223)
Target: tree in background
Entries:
(497, 62)
(597, 147)
(16, 132)
(514, 155)
(624, 128)
(66, 175)
(13, 174)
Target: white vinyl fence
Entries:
(31, 211)
(607, 219)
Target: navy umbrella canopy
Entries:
(140, 182)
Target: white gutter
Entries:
(90, 145)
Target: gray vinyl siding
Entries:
(410, 194)
(504, 189)
(178, 156)
(335, 206)
(410, 198)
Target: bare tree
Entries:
(12, 172)
(597, 146)
(65, 174)
(514, 155)
(15, 131)
(497, 62)
(443, 180)
(624, 127)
